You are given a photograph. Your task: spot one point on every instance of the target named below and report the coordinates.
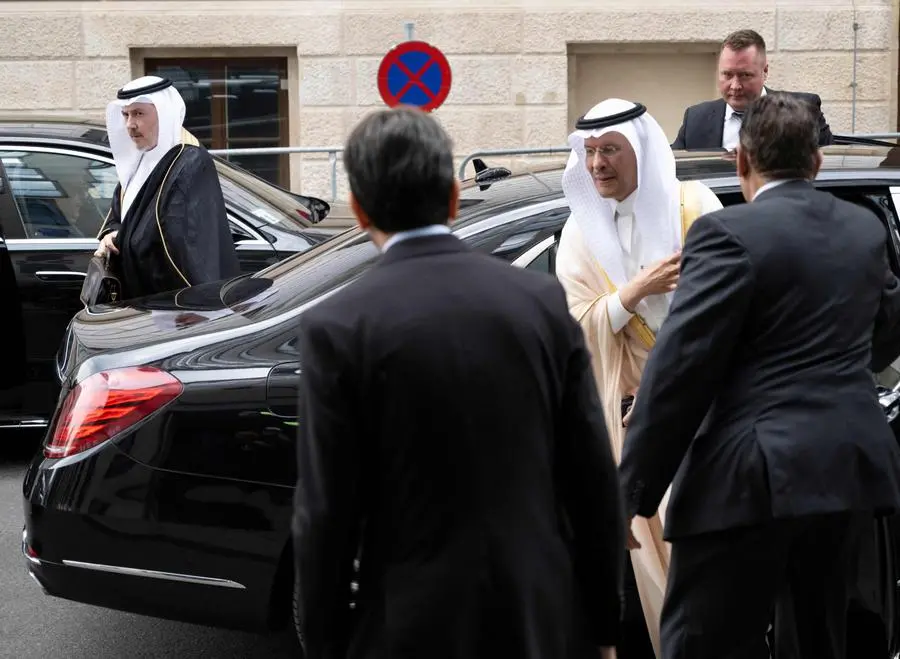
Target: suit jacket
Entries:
(451, 433)
(703, 124)
(770, 338)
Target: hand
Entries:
(608, 653)
(107, 245)
(659, 278)
(631, 542)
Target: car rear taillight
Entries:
(107, 403)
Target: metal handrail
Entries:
(332, 152)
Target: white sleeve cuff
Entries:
(618, 314)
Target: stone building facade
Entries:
(522, 69)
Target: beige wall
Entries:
(640, 75)
(521, 70)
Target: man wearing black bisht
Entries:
(167, 227)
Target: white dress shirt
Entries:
(655, 308)
(773, 184)
(732, 127)
(421, 232)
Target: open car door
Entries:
(12, 375)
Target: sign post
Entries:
(414, 73)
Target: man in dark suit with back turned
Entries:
(451, 433)
(758, 400)
(743, 69)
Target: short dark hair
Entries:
(741, 39)
(780, 136)
(400, 165)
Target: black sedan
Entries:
(164, 486)
(56, 183)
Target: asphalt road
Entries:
(35, 626)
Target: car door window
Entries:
(59, 195)
(541, 263)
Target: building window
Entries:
(235, 104)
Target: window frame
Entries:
(217, 67)
(536, 251)
(51, 150)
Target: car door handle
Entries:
(60, 275)
(281, 389)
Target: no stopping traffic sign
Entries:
(414, 73)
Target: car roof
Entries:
(37, 127)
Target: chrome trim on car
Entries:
(255, 244)
(155, 574)
(30, 559)
(78, 151)
(73, 244)
(59, 273)
(36, 580)
(535, 251)
(24, 423)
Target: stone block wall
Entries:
(509, 57)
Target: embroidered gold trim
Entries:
(159, 224)
(187, 137)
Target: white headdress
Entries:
(657, 209)
(133, 166)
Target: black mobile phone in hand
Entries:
(627, 402)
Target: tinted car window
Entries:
(510, 240)
(541, 263)
(59, 195)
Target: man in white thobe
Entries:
(618, 261)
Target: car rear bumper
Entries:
(107, 542)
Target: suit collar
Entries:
(714, 124)
(422, 246)
(784, 189)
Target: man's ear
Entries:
(742, 162)
(453, 205)
(818, 163)
(362, 219)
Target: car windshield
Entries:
(262, 203)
